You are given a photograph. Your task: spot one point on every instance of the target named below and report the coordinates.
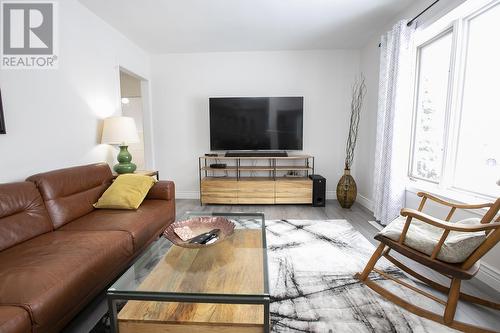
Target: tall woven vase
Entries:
(346, 190)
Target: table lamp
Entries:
(121, 131)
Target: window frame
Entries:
(459, 27)
(416, 79)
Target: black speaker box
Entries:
(319, 190)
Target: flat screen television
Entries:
(256, 123)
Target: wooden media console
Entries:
(256, 180)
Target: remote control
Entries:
(206, 238)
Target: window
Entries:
(456, 134)
(433, 72)
(477, 166)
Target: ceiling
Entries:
(163, 26)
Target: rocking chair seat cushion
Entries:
(423, 237)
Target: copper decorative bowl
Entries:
(197, 226)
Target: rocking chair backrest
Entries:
(492, 212)
(491, 240)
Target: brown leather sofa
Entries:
(57, 252)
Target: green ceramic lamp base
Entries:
(124, 162)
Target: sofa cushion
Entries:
(143, 224)
(127, 192)
(423, 237)
(14, 319)
(70, 193)
(57, 273)
(22, 214)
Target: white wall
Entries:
(364, 161)
(182, 84)
(53, 117)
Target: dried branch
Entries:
(358, 94)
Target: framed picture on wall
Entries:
(2, 119)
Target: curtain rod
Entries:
(418, 15)
(422, 12)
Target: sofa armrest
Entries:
(162, 190)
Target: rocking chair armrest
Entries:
(407, 212)
(453, 204)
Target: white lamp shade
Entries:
(119, 131)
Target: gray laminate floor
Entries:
(358, 216)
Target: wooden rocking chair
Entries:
(456, 272)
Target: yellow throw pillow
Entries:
(127, 192)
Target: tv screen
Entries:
(256, 123)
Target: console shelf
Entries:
(259, 168)
(256, 180)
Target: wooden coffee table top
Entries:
(234, 267)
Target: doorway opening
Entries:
(132, 106)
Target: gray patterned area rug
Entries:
(311, 267)
(312, 264)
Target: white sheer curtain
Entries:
(393, 119)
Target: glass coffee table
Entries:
(220, 288)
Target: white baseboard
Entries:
(376, 225)
(489, 275)
(331, 195)
(187, 194)
(365, 202)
